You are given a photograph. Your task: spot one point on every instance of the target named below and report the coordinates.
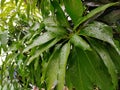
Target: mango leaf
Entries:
(60, 15)
(55, 74)
(64, 53)
(115, 57)
(100, 31)
(52, 25)
(101, 50)
(41, 49)
(52, 69)
(40, 40)
(94, 12)
(86, 71)
(69, 80)
(59, 31)
(74, 8)
(79, 42)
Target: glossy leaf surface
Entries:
(93, 12)
(100, 31)
(52, 69)
(40, 40)
(55, 74)
(74, 8)
(65, 50)
(80, 42)
(41, 49)
(86, 71)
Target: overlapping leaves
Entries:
(56, 68)
(100, 31)
(85, 60)
(61, 54)
(86, 71)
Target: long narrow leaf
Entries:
(42, 49)
(94, 12)
(40, 40)
(64, 53)
(115, 57)
(60, 14)
(100, 31)
(101, 50)
(55, 74)
(74, 8)
(85, 71)
(52, 69)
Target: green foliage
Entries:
(80, 42)
(74, 8)
(51, 44)
(93, 12)
(100, 31)
(86, 67)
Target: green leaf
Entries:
(64, 53)
(93, 12)
(115, 57)
(79, 42)
(74, 8)
(60, 14)
(41, 49)
(101, 50)
(100, 31)
(42, 39)
(52, 69)
(36, 64)
(45, 8)
(59, 31)
(68, 80)
(55, 74)
(86, 71)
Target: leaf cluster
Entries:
(57, 44)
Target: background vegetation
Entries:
(58, 44)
